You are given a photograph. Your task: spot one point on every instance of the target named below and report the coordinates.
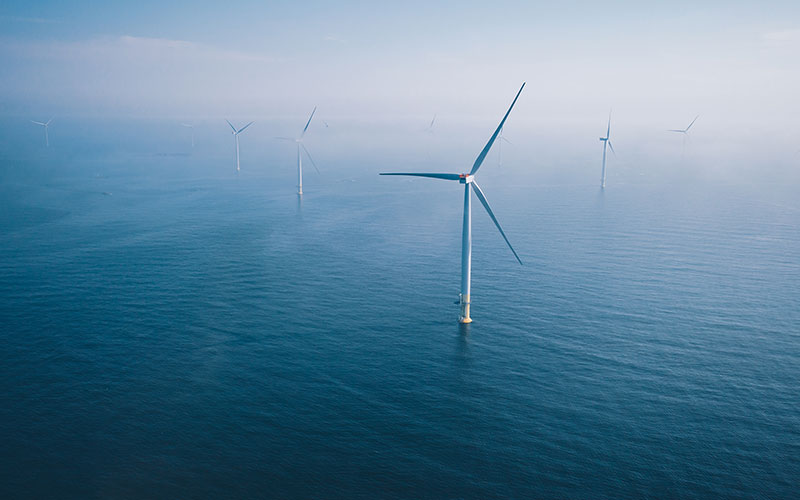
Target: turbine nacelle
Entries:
(465, 178)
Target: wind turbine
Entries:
(300, 145)
(500, 140)
(685, 133)
(606, 143)
(191, 127)
(466, 233)
(430, 127)
(46, 135)
(236, 139)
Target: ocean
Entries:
(181, 331)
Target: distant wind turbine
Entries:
(500, 140)
(191, 127)
(466, 234)
(300, 145)
(606, 143)
(430, 127)
(46, 125)
(685, 133)
(236, 139)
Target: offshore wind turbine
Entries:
(468, 179)
(500, 140)
(236, 139)
(300, 145)
(46, 125)
(685, 133)
(191, 128)
(430, 127)
(606, 144)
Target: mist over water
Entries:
(173, 329)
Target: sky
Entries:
(658, 65)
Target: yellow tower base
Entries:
(464, 317)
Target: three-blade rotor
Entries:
(237, 132)
(469, 178)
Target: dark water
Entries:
(207, 335)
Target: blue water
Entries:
(207, 335)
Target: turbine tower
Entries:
(685, 133)
(46, 126)
(191, 128)
(236, 139)
(468, 180)
(606, 143)
(300, 145)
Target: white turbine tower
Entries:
(46, 126)
(236, 139)
(466, 234)
(606, 144)
(191, 128)
(300, 145)
(685, 133)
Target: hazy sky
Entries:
(657, 64)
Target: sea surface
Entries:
(170, 332)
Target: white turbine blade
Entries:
(690, 125)
(310, 158)
(608, 129)
(485, 204)
(673, 130)
(187, 125)
(232, 127)
(432, 122)
(242, 129)
(38, 123)
(612, 148)
(286, 138)
(488, 146)
(449, 177)
(308, 122)
(50, 120)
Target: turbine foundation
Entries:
(464, 316)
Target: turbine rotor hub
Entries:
(465, 178)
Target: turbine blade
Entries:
(612, 148)
(608, 129)
(432, 121)
(308, 122)
(48, 121)
(187, 125)
(485, 204)
(232, 127)
(37, 123)
(673, 130)
(488, 146)
(242, 129)
(449, 177)
(286, 138)
(690, 125)
(310, 158)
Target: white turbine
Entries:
(430, 127)
(606, 143)
(685, 133)
(46, 125)
(191, 128)
(300, 145)
(466, 234)
(500, 140)
(236, 139)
